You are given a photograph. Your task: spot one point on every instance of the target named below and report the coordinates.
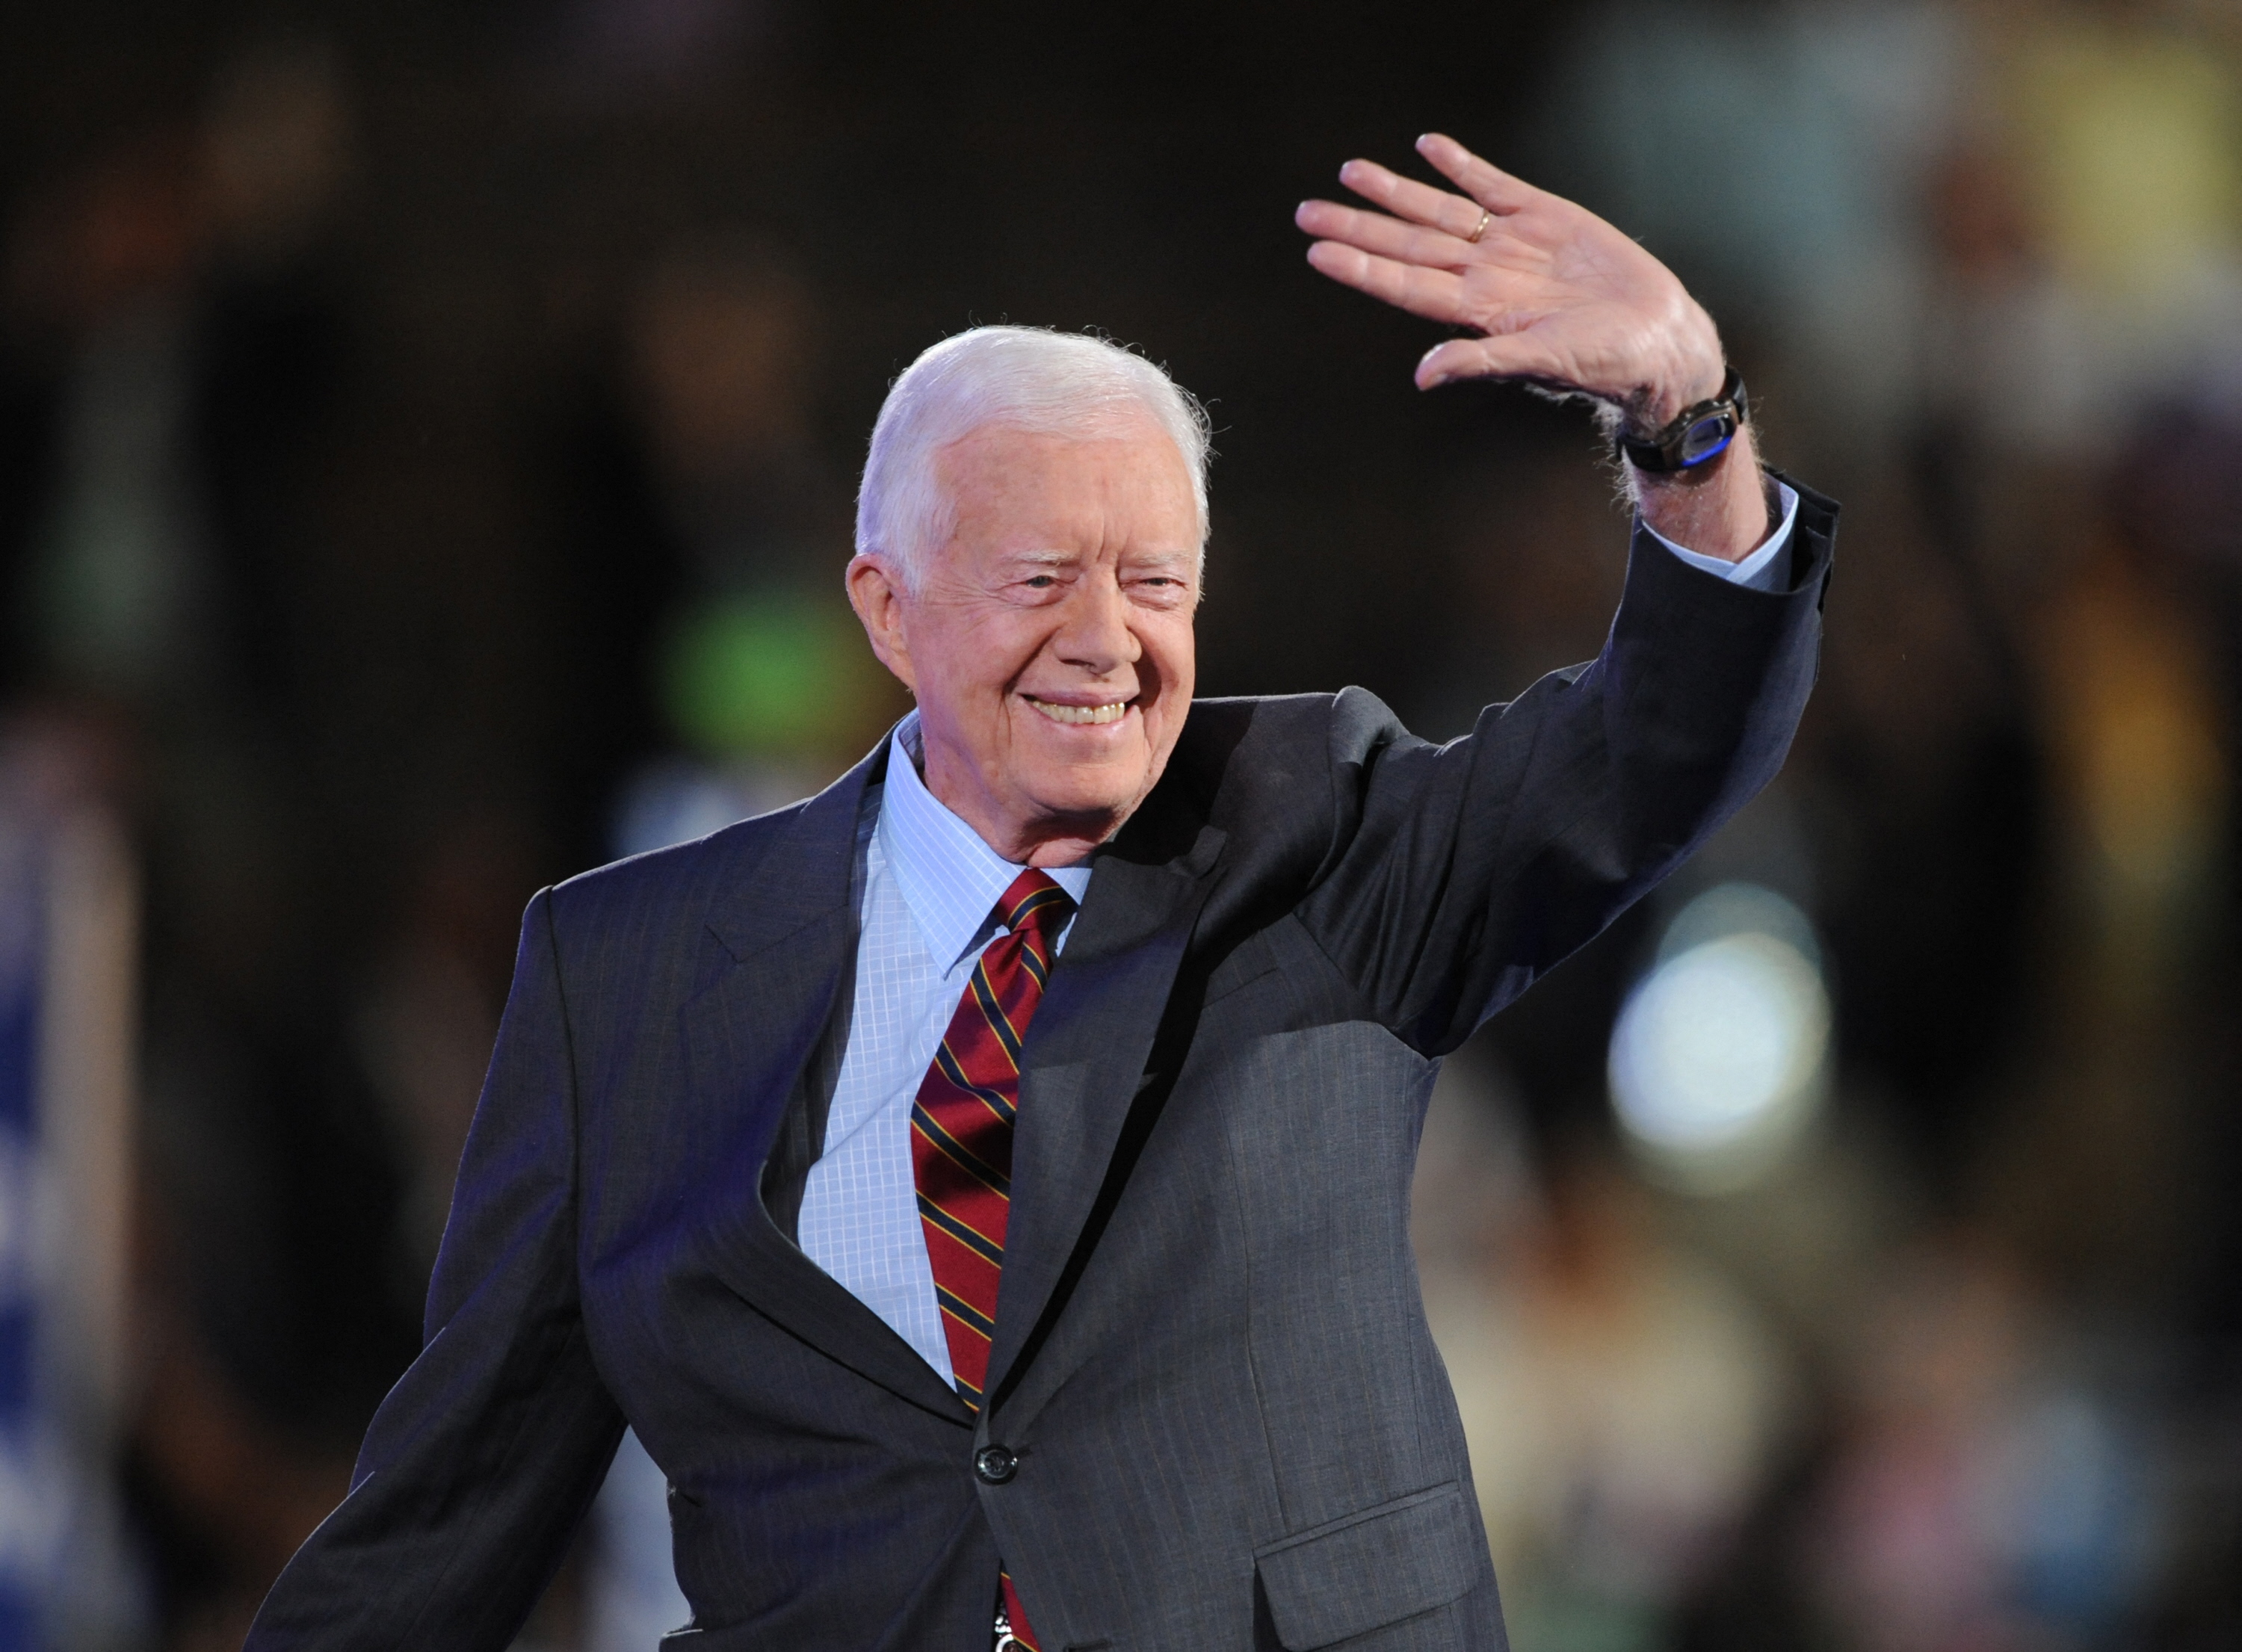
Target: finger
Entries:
(1435, 294)
(1512, 356)
(1388, 236)
(1489, 185)
(1405, 197)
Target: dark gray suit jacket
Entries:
(1231, 1427)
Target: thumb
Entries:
(1509, 356)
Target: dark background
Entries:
(426, 440)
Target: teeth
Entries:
(1109, 712)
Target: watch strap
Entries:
(1697, 435)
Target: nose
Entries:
(1096, 636)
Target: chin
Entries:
(1091, 803)
(1107, 794)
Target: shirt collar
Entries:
(950, 879)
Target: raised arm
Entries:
(1558, 299)
(1459, 874)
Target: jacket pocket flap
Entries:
(1373, 1567)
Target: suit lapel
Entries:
(789, 934)
(749, 1037)
(1085, 1055)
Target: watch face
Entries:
(1707, 437)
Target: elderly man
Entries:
(984, 1186)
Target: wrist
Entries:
(1654, 407)
(1725, 510)
(1693, 371)
(1693, 440)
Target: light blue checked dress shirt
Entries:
(930, 891)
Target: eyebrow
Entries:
(1163, 559)
(1052, 558)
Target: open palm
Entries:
(1558, 295)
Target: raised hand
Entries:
(1559, 296)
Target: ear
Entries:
(876, 591)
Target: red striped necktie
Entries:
(962, 1136)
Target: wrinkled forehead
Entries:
(1121, 480)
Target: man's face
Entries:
(1050, 642)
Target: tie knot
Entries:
(1034, 902)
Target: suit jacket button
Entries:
(995, 1464)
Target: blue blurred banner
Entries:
(67, 962)
(25, 1539)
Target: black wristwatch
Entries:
(1698, 436)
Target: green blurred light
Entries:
(765, 676)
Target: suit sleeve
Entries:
(480, 1464)
(1458, 873)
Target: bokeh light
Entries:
(1719, 1057)
(776, 675)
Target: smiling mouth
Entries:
(1111, 712)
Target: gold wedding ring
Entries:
(1484, 218)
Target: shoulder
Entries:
(663, 895)
(1249, 757)
(1280, 774)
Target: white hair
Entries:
(1029, 379)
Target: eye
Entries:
(1040, 581)
(1158, 583)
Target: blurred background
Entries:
(427, 443)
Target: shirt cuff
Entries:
(1767, 568)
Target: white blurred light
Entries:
(1719, 1058)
